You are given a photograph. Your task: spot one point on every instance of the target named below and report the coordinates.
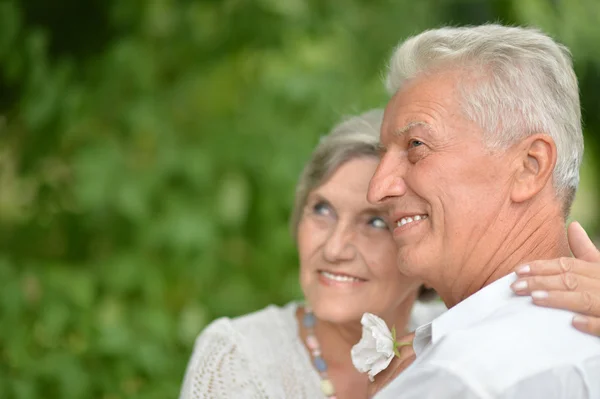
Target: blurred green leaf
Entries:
(149, 156)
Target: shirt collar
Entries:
(466, 313)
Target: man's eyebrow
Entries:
(381, 148)
(410, 125)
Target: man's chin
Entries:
(411, 264)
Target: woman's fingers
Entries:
(559, 266)
(587, 324)
(567, 283)
(568, 291)
(587, 307)
(585, 260)
(581, 245)
(584, 303)
(561, 282)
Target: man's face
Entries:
(444, 187)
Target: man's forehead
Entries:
(391, 132)
(411, 125)
(422, 103)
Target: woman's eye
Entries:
(378, 222)
(321, 208)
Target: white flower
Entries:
(375, 350)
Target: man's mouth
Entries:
(410, 219)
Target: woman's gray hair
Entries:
(516, 82)
(354, 137)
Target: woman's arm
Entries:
(567, 283)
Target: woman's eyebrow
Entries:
(370, 210)
(316, 197)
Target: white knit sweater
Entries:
(260, 355)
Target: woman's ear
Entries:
(536, 160)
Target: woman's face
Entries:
(347, 253)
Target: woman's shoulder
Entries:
(243, 354)
(252, 328)
(268, 319)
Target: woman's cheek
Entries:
(383, 257)
(311, 235)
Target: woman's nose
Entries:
(339, 245)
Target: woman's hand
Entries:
(567, 283)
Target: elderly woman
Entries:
(347, 267)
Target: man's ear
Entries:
(536, 158)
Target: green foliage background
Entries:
(148, 155)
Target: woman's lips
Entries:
(331, 278)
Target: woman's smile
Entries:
(335, 279)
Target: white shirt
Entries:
(261, 355)
(495, 344)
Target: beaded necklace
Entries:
(308, 321)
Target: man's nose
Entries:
(388, 181)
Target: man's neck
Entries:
(537, 235)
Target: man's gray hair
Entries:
(354, 137)
(516, 82)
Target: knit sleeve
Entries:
(219, 368)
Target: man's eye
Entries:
(414, 143)
(378, 223)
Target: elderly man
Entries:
(482, 145)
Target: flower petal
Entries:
(374, 322)
(375, 350)
(379, 366)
